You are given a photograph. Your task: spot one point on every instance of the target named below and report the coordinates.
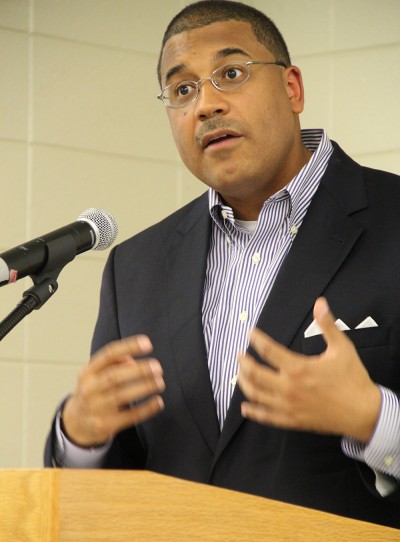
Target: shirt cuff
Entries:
(69, 455)
(382, 453)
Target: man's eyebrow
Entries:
(223, 53)
(173, 71)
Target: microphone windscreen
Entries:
(104, 224)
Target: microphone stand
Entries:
(45, 283)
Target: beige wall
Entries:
(80, 127)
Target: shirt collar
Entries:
(316, 141)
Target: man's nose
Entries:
(210, 100)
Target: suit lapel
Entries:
(324, 241)
(186, 271)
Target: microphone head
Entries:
(104, 226)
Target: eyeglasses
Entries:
(225, 78)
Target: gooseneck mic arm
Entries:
(34, 298)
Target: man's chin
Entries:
(224, 179)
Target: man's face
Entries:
(263, 150)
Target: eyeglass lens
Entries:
(225, 77)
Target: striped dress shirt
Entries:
(243, 264)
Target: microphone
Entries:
(94, 229)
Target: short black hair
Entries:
(205, 12)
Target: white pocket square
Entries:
(314, 329)
(368, 322)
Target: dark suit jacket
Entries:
(347, 249)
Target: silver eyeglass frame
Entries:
(197, 86)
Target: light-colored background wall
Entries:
(80, 127)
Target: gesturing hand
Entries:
(328, 393)
(108, 388)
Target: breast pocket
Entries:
(378, 348)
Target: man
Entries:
(289, 219)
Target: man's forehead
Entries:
(212, 41)
(215, 57)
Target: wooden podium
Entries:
(48, 505)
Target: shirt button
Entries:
(294, 230)
(228, 240)
(389, 460)
(224, 214)
(234, 380)
(256, 257)
(243, 316)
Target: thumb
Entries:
(326, 320)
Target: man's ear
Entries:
(293, 81)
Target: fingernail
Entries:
(155, 367)
(158, 379)
(144, 342)
(322, 307)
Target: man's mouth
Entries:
(214, 138)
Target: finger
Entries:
(256, 412)
(118, 375)
(131, 393)
(271, 351)
(326, 321)
(266, 415)
(138, 413)
(117, 351)
(258, 382)
(122, 373)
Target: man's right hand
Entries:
(107, 391)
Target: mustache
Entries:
(217, 123)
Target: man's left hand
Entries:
(329, 393)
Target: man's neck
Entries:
(249, 208)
